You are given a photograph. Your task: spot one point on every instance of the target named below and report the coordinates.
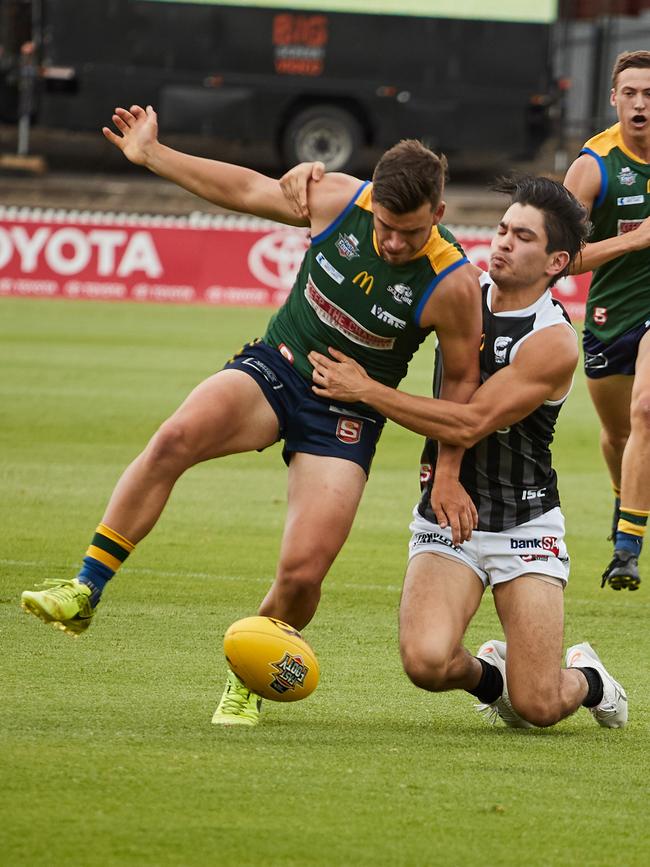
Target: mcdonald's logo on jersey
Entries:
(365, 280)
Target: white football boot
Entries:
(611, 713)
(494, 653)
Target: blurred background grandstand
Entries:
(269, 83)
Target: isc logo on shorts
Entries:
(348, 430)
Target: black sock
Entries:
(490, 686)
(594, 687)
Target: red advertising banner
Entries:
(200, 259)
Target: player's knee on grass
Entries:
(425, 665)
(536, 705)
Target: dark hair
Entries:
(566, 221)
(407, 176)
(630, 60)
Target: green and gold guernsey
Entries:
(619, 296)
(348, 297)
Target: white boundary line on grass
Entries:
(210, 576)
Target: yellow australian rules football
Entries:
(271, 658)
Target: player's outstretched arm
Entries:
(583, 180)
(542, 370)
(230, 186)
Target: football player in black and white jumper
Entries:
(528, 357)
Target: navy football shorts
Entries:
(618, 357)
(308, 423)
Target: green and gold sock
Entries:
(106, 553)
(631, 530)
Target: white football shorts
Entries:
(536, 547)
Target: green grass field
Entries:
(107, 754)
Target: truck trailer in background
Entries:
(315, 80)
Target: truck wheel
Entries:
(323, 132)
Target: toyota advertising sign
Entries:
(200, 259)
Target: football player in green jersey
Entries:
(379, 275)
(611, 176)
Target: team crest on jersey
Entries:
(348, 246)
(348, 430)
(501, 346)
(402, 293)
(627, 177)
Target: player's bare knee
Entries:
(301, 575)
(170, 447)
(425, 667)
(617, 439)
(640, 412)
(541, 708)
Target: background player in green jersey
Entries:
(262, 396)
(611, 176)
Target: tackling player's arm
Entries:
(584, 181)
(454, 310)
(541, 370)
(295, 182)
(230, 186)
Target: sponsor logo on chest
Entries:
(336, 317)
(402, 293)
(365, 280)
(329, 269)
(630, 200)
(624, 226)
(388, 318)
